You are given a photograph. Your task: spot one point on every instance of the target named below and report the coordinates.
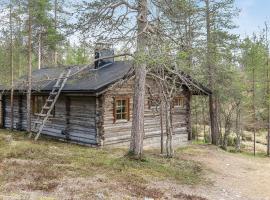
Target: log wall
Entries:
(118, 133)
(74, 118)
(90, 120)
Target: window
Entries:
(121, 108)
(37, 104)
(179, 102)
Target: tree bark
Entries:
(212, 98)
(254, 111)
(39, 50)
(203, 121)
(29, 90)
(137, 131)
(161, 127)
(196, 137)
(227, 126)
(238, 129)
(12, 70)
(169, 130)
(55, 27)
(268, 93)
(268, 111)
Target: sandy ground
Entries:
(231, 176)
(228, 177)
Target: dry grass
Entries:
(29, 166)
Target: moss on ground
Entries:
(40, 165)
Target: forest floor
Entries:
(49, 170)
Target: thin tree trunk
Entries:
(196, 119)
(237, 127)
(268, 93)
(20, 44)
(203, 121)
(137, 131)
(227, 130)
(268, 111)
(169, 148)
(254, 111)
(12, 70)
(55, 27)
(39, 50)
(161, 128)
(29, 67)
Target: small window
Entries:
(179, 102)
(121, 110)
(37, 104)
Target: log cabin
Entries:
(95, 106)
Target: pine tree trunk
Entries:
(161, 127)
(238, 129)
(12, 71)
(55, 27)
(212, 98)
(267, 90)
(29, 90)
(196, 120)
(254, 111)
(268, 111)
(137, 131)
(203, 121)
(20, 44)
(39, 50)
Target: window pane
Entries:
(119, 103)
(118, 116)
(121, 109)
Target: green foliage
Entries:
(76, 54)
(254, 60)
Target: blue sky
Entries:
(253, 15)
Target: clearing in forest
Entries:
(55, 170)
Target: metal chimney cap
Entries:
(103, 45)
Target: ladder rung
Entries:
(41, 115)
(46, 108)
(53, 93)
(44, 115)
(56, 86)
(49, 100)
(38, 122)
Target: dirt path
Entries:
(231, 176)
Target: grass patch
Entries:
(42, 165)
(247, 153)
(251, 154)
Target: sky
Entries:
(254, 13)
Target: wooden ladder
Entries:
(46, 110)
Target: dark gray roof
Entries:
(87, 80)
(90, 79)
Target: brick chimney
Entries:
(103, 50)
